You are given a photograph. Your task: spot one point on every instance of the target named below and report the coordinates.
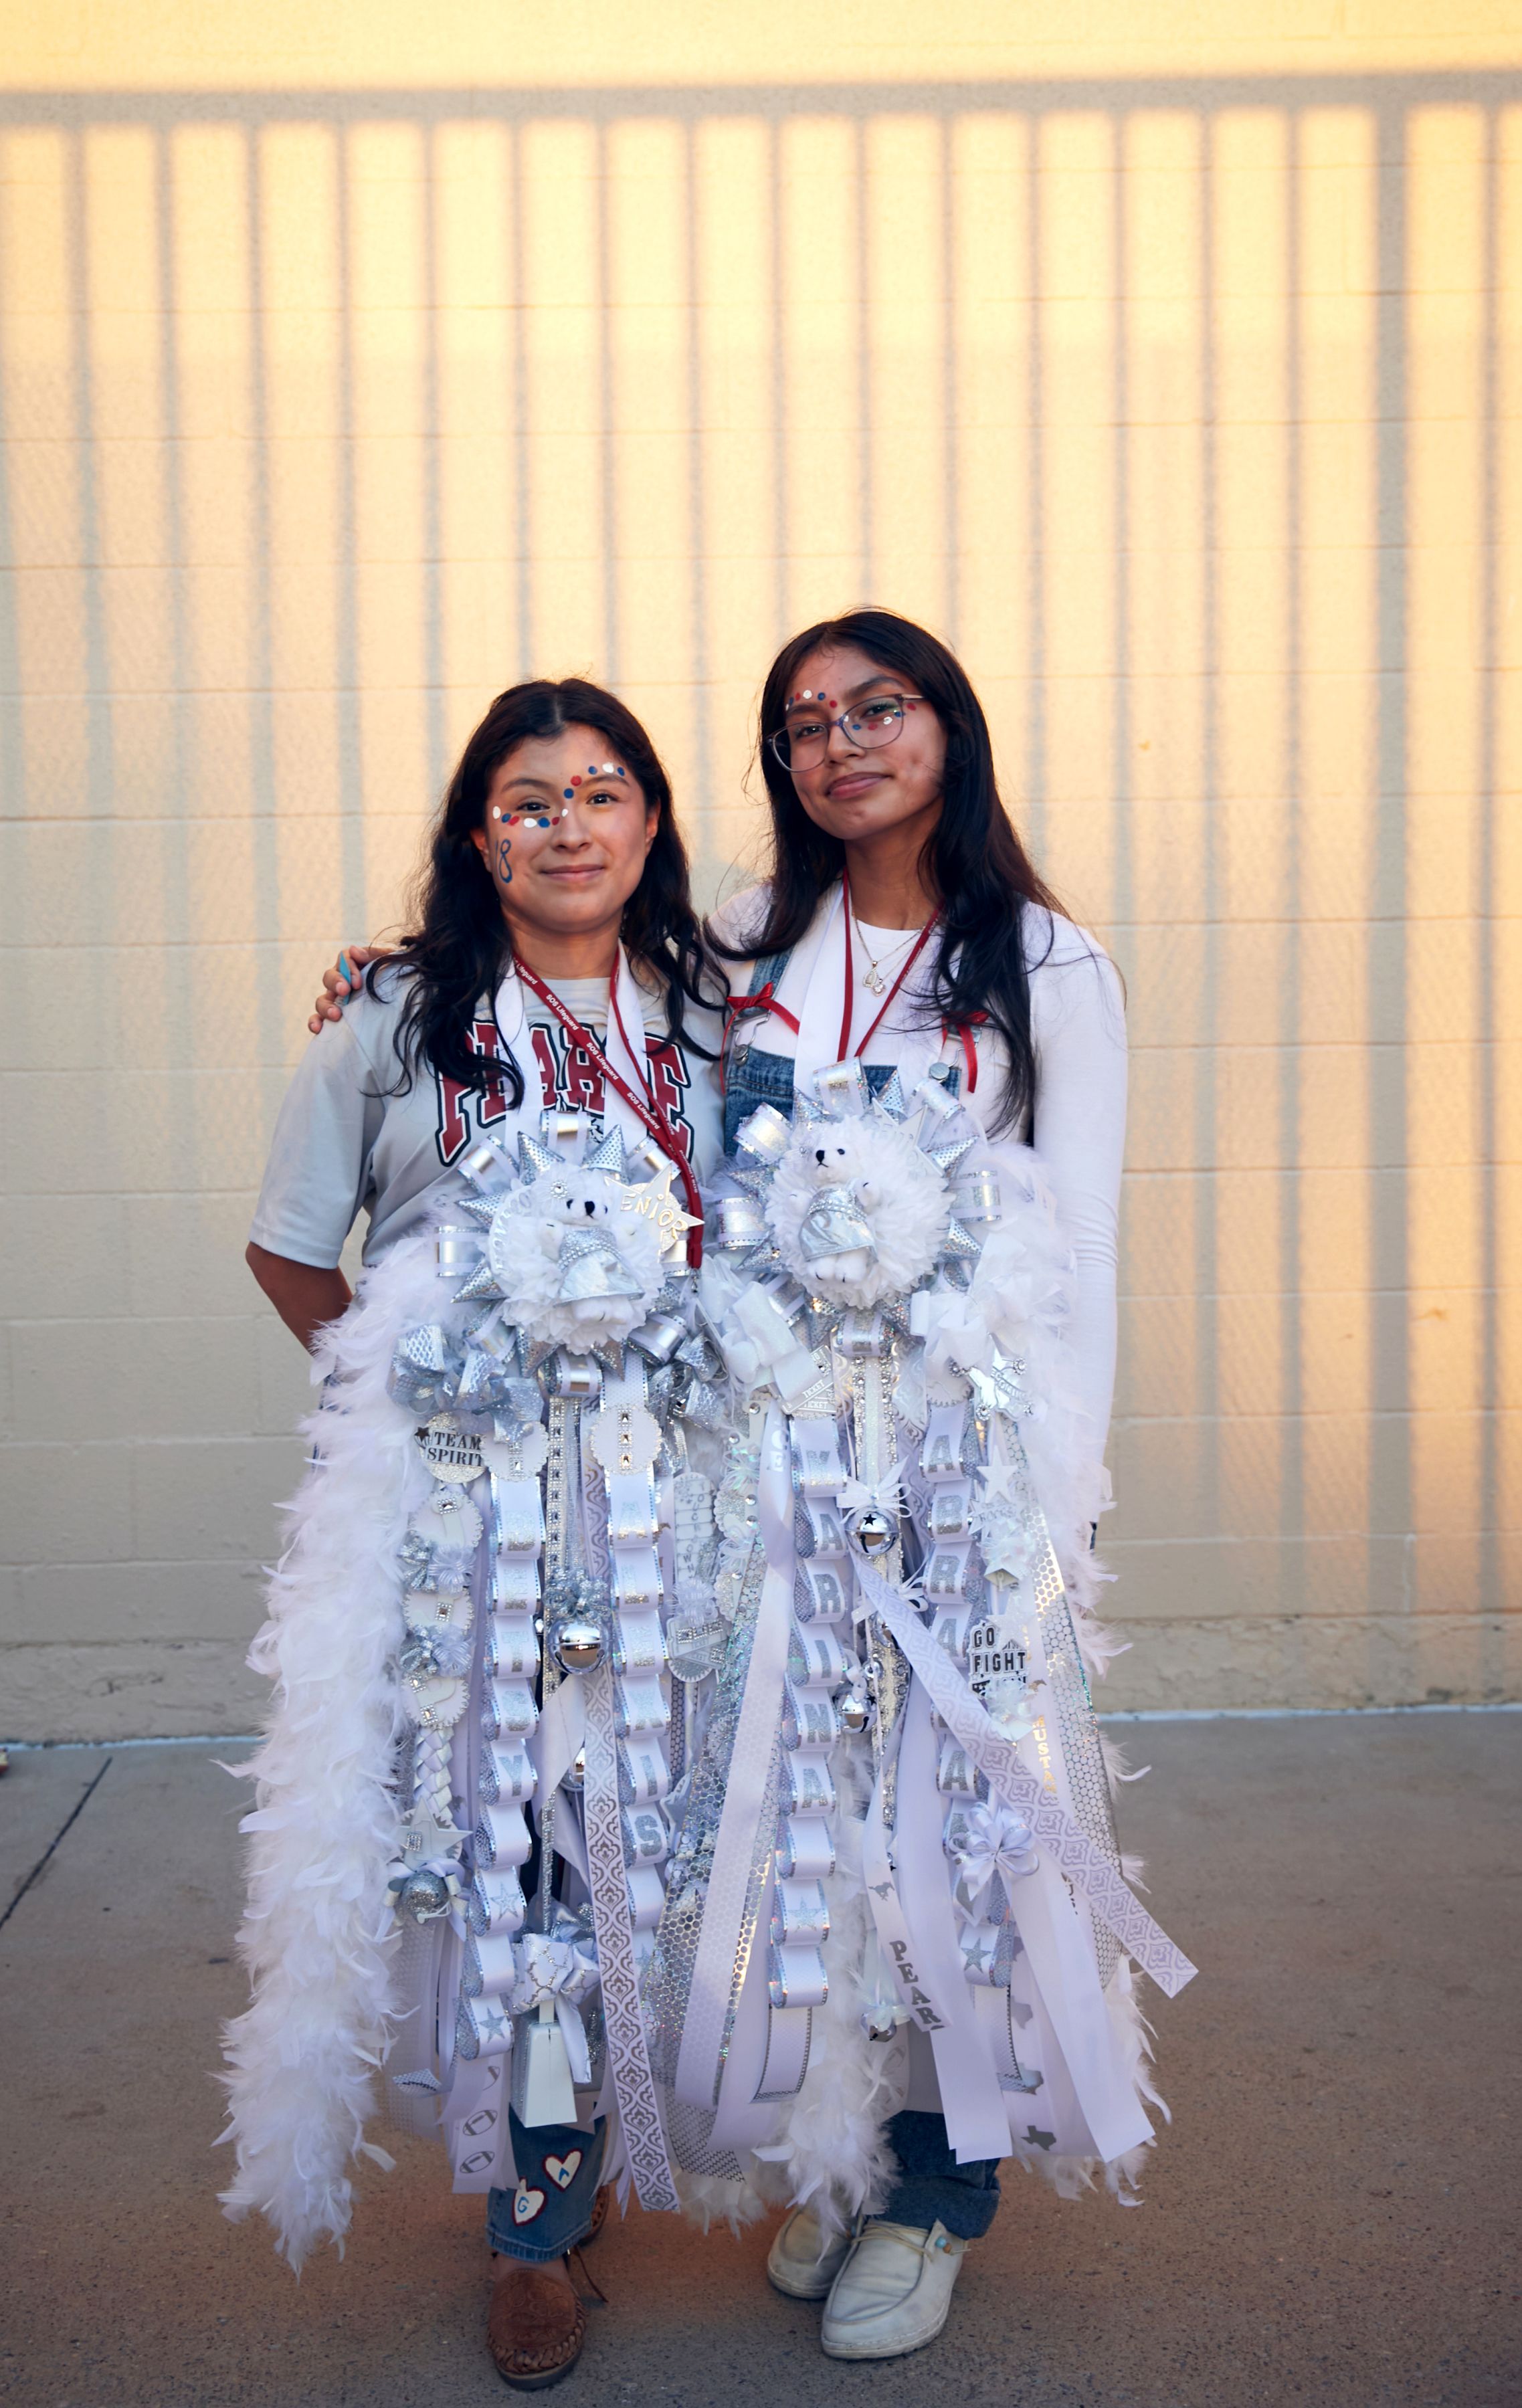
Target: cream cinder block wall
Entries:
(352, 367)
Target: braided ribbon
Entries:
(628, 2054)
(1074, 1855)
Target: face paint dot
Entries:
(619, 773)
(567, 793)
(497, 810)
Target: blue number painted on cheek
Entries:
(504, 873)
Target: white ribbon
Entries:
(757, 1338)
(554, 1744)
(700, 2065)
(977, 2122)
(1058, 1835)
(924, 2003)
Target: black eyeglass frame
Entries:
(777, 739)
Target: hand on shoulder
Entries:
(342, 981)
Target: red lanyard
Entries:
(764, 1000)
(918, 948)
(643, 1107)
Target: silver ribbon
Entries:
(700, 2061)
(1070, 1850)
(627, 2055)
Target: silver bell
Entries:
(855, 1711)
(872, 1532)
(579, 1642)
(423, 1896)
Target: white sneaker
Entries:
(802, 2261)
(893, 2294)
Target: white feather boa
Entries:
(318, 1936)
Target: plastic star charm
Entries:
(655, 1202)
(996, 1481)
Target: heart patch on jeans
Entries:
(563, 2170)
(526, 2205)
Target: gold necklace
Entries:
(871, 976)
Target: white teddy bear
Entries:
(576, 1263)
(858, 1211)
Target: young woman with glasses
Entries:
(901, 1823)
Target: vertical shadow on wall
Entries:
(353, 902)
(611, 666)
(263, 804)
(18, 809)
(1036, 652)
(781, 608)
(184, 1152)
(523, 522)
(697, 637)
(93, 926)
(434, 699)
(950, 499)
(865, 463)
(1293, 1562)
(1386, 1002)
(1491, 1597)
(1206, 1150)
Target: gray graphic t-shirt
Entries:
(347, 1143)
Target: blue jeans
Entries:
(559, 2168)
(757, 1076)
(931, 2185)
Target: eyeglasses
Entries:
(804, 742)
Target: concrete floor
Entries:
(1333, 2216)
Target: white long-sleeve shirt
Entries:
(1078, 1125)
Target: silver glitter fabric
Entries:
(1078, 1733)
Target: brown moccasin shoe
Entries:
(600, 2206)
(535, 2327)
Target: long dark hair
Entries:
(972, 860)
(458, 948)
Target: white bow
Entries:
(990, 1839)
(558, 1973)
